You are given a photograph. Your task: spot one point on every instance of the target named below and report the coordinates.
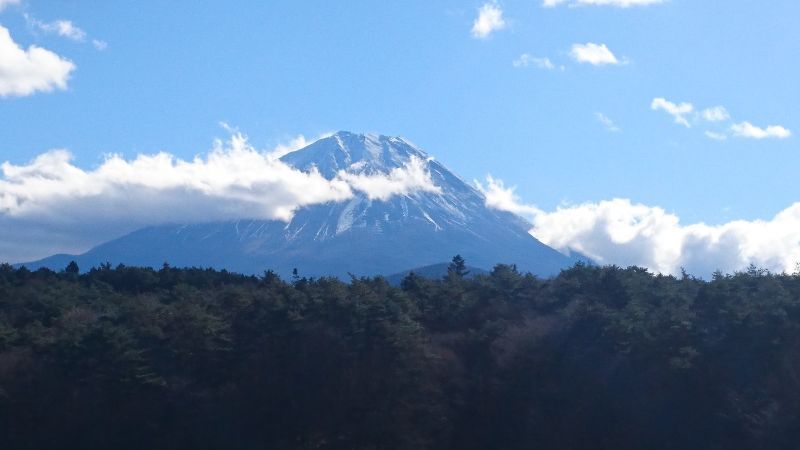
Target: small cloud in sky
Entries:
(684, 111)
(26, 71)
(526, 60)
(489, 20)
(715, 114)
(64, 28)
(294, 144)
(616, 3)
(716, 136)
(5, 3)
(67, 29)
(750, 131)
(594, 54)
(500, 197)
(679, 112)
(99, 44)
(61, 27)
(607, 122)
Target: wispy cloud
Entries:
(61, 27)
(750, 131)
(99, 44)
(683, 112)
(526, 60)
(607, 122)
(489, 20)
(715, 114)
(291, 145)
(615, 3)
(64, 28)
(625, 233)
(594, 54)
(500, 197)
(24, 72)
(70, 209)
(679, 112)
(413, 177)
(5, 3)
(716, 136)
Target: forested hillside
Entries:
(607, 358)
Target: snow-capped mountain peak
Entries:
(364, 235)
(355, 153)
(453, 204)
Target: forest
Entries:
(594, 358)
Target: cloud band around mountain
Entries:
(625, 233)
(50, 205)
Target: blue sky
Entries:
(167, 73)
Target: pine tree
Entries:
(458, 266)
(72, 268)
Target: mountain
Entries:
(361, 236)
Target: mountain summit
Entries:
(365, 235)
(354, 153)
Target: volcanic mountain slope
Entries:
(360, 236)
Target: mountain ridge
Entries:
(362, 235)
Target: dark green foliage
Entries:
(458, 267)
(130, 358)
(72, 268)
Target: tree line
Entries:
(596, 357)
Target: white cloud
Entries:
(413, 177)
(5, 3)
(526, 60)
(69, 209)
(24, 72)
(625, 233)
(748, 130)
(716, 136)
(295, 143)
(498, 196)
(715, 114)
(677, 111)
(682, 112)
(61, 27)
(67, 29)
(607, 122)
(594, 54)
(617, 3)
(620, 3)
(489, 20)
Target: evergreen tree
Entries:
(458, 267)
(130, 358)
(72, 268)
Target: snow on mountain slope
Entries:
(458, 205)
(366, 235)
